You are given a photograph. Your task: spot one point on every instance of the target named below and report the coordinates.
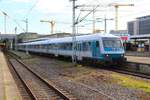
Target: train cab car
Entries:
(113, 50)
(104, 48)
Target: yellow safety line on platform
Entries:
(5, 96)
(9, 88)
(3, 84)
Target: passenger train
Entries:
(105, 48)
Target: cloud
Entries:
(53, 6)
(22, 1)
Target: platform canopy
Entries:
(145, 36)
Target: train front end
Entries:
(113, 50)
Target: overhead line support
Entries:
(73, 32)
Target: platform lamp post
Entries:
(5, 14)
(5, 29)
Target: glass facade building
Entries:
(140, 26)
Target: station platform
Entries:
(138, 54)
(8, 88)
(143, 60)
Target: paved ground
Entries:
(8, 88)
(145, 60)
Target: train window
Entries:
(46, 46)
(62, 46)
(43, 46)
(58, 46)
(84, 46)
(36, 46)
(89, 45)
(79, 47)
(39, 46)
(54, 46)
(97, 44)
(115, 43)
(50, 46)
(69, 46)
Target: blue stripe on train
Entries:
(112, 49)
(112, 57)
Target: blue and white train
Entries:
(98, 47)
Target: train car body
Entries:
(97, 47)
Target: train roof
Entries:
(35, 40)
(69, 39)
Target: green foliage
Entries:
(131, 82)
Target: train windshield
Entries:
(112, 43)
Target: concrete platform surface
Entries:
(8, 88)
(144, 60)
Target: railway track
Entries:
(25, 93)
(35, 87)
(116, 69)
(121, 69)
(133, 73)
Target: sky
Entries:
(61, 12)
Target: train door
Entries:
(95, 49)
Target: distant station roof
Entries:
(145, 36)
(123, 34)
(143, 17)
(7, 36)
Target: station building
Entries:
(139, 29)
(139, 26)
(6, 40)
(55, 35)
(25, 36)
(123, 34)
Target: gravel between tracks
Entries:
(84, 82)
